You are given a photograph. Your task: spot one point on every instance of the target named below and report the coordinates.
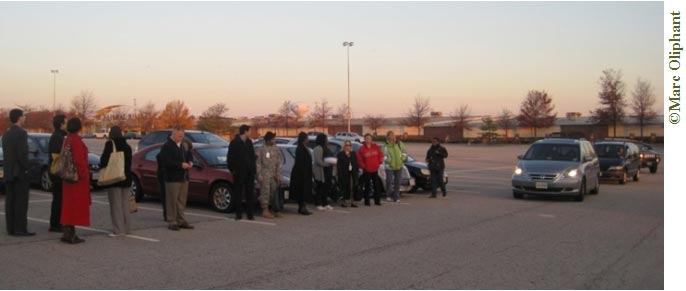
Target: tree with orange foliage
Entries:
(175, 113)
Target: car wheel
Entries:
(517, 195)
(582, 191)
(45, 182)
(653, 169)
(624, 178)
(136, 189)
(220, 197)
(637, 176)
(414, 189)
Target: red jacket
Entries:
(76, 197)
(370, 158)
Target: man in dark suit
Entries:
(15, 148)
(176, 160)
(243, 166)
(59, 122)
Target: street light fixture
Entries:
(348, 44)
(54, 86)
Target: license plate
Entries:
(541, 185)
(412, 182)
(285, 195)
(649, 164)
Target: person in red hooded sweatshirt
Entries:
(76, 197)
(369, 158)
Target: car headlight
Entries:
(641, 155)
(573, 173)
(425, 172)
(518, 171)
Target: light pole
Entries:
(54, 87)
(348, 44)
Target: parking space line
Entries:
(340, 211)
(403, 203)
(89, 228)
(257, 222)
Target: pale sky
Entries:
(253, 56)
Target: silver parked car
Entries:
(557, 167)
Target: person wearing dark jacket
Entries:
(118, 193)
(435, 157)
(160, 182)
(59, 122)
(15, 147)
(301, 174)
(177, 160)
(242, 163)
(347, 170)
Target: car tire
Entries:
(624, 178)
(517, 195)
(582, 192)
(414, 189)
(220, 197)
(45, 182)
(637, 176)
(136, 189)
(653, 169)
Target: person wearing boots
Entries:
(370, 157)
(241, 162)
(347, 170)
(301, 174)
(76, 197)
(435, 158)
(59, 122)
(269, 160)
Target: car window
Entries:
(553, 152)
(33, 146)
(152, 155)
(609, 150)
(206, 138)
(214, 157)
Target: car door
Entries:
(635, 160)
(35, 160)
(591, 163)
(148, 172)
(198, 183)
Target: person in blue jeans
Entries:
(395, 155)
(435, 158)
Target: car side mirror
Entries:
(519, 157)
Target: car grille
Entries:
(543, 177)
(549, 190)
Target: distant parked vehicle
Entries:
(102, 133)
(557, 167)
(619, 160)
(194, 136)
(650, 158)
(88, 135)
(351, 136)
(132, 135)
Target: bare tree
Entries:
(611, 99)
(375, 122)
(286, 114)
(84, 106)
(418, 113)
(146, 117)
(322, 111)
(537, 111)
(461, 118)
(342, 113)
(506, 121)
(642, 103)
(488, 128)
(213, 119)
(175, 113)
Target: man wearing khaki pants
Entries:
(176, 158)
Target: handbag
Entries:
(66, 168)
(133, 207)
(114, 172)
(55, 165)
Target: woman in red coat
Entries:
(76, 197)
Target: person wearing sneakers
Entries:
(322, 172)
(394, 160)
(435, 157)
(269, 160)
(370, 158)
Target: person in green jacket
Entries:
(395, 155)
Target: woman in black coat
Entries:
(347, 174)
(301, 174)
(118, 193)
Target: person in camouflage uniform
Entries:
(269, 160)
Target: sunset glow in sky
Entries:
(253, 56)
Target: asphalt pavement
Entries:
(478, 237)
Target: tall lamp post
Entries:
(348, 44)
(54, 87)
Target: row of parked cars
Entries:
(575, 167)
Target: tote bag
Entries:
(66, 167)
(114, 172)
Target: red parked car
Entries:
(210, 180)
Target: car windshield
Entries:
(207, 138)
(553, 152)
(214, 157)
(609, 150)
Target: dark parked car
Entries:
(421, 174)
(650, 158)
(619, 160)
(38, 161)
(210, 179)
(132, 135)
(194, 136)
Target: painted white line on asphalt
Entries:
(479, 170)
(160, 210)
(88, 228)
(142, 238)
(340, 211)
(257, 222)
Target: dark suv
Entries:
(649, 157)
(619, 160)
(194, 136)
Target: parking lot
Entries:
(478, 237)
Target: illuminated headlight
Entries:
(518, 171)
(641, 155)
(616, 168)
(425, 172)
(573, 173)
